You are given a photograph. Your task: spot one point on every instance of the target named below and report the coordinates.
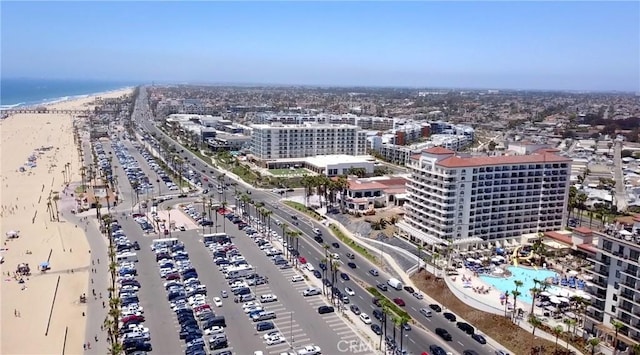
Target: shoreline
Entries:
(46, 305)
(63, 99)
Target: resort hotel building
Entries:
(615, 287)
(286, 141)
(484, 201)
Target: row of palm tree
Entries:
(326, 187)
(112, 321)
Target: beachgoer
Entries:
(84, 346)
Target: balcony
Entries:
(631, 272)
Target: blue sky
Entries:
(522, 45)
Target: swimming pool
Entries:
(526, 275)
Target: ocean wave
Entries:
(8, 107)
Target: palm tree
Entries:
(285, 228)
(55, 200)
(515, 294)
(535, 323)
(570, 323)
(617, 325)
(224, 219)
(386, 309)
(335, 266)
(557, 330)
(593, 342)
(403, 320)
(83, 175)
(168, 209)
(294, 235)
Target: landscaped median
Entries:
(392, 306)
(352, 243)
(304, 209)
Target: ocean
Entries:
(32, 92)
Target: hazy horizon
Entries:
(537, 46)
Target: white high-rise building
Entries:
(474, 201)
(278, 141)
(615, 287)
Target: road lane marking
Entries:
(461, 344)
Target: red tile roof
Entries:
(588, 247)
(583, 230)
(353, 185)
(458, 162)
(563, 238)
(438, 151)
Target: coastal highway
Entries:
(314, 252)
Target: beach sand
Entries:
(25, 307)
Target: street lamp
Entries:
(291, 328)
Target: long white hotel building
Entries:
(483, 201)
(286, 141)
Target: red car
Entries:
(399, 302)
(302, 260)
(132, 318)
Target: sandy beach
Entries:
(26, 306)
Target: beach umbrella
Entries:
(554, 300)
(573, 273)
(498, 271)
(495, 260)
(545, 294)
(502, 296)
(570, 315)
(563, 299)
(471, 260)
(44, 264)
(12, 233)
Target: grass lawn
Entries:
(285, 172)
(352, 243)
(302, 208)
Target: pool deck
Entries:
(490, 298)
(490, 302)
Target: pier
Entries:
(43, 111)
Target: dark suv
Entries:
(444, 334)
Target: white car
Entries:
(365, 318)
(272, 334)
(253, 309)
(297, 278)
(269, 297)
(349, 291)
(250, 304)
(197, 298)
(311, 291)
(214, 330)
(310, 350)
(217, 301)
(275, 340)
(128, 288)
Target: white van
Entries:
(127, 257)
(395, 283)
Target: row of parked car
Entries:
(187, 297)
(263, 238)
(196, 215)
(162, 175)
(104, 161)
(135, 336)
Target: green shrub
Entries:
(392, 306)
